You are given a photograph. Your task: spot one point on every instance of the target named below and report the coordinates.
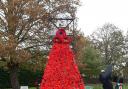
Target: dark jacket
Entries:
(105, 78)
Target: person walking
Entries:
(105, 78)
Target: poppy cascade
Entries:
(61, 71)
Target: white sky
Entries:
(94, 13)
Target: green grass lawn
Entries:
(99, 86)
(32, 88)
(95, 86)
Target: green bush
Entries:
(26, 78)
(4, 79)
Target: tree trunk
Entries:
(13, 69)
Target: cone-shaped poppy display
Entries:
(61, 71)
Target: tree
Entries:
(110, 41)
(93, 60)
(126, 47)
(37, 62)
(24, 26)
(117, 50)
(79, 46)
(125, 66)
(87, 56)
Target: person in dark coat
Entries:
(105, 78)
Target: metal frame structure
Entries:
(62, 19)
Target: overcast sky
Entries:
(94, 13)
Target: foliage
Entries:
(88, 57)
(24, 27)
(26, 78)
(37, 61)
(4, 78)
(93, 61)
(112, 44)
(109, 40)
